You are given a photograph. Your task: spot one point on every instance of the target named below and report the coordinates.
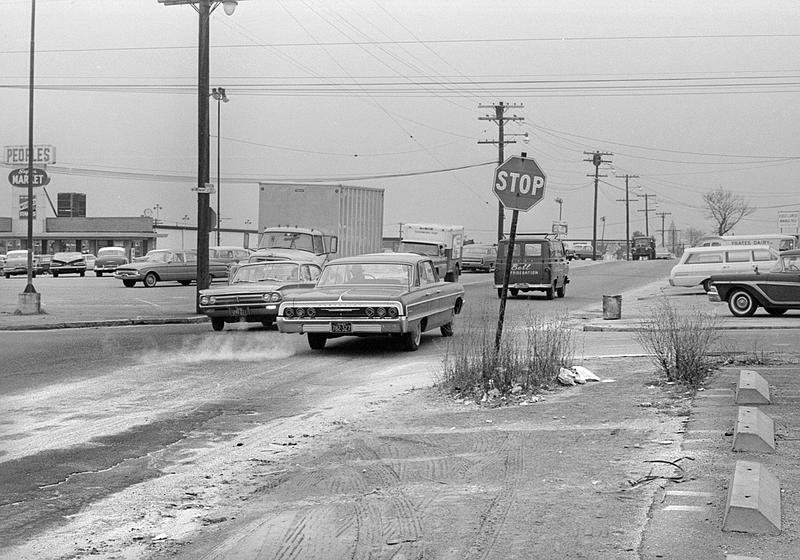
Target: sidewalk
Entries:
(638, 304)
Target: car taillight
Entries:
(393, 313)
(288, 312)
(369, 312)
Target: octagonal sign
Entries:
(519, 183)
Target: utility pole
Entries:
(627, 202)
(663, 216)
(596, 159)
(500, 118)
(646, 212)
(560, 202)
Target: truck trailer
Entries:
(441, 242)
(318, 222)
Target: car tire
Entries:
(55, 275)
(776, 311)
(412, 339)
(706, 285)
(549, 293)
(742, 303)
(98, 274)
(184, 282)
(268, 323)
(514, 292)
(129, 283)
(83, 274)
(562, 291)
(217, 324)
(447, 329)
(317, 341)
(150, 280)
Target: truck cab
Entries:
(644, 247)
(281, 243)
(442, 243)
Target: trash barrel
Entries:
(612, 307)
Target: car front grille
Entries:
(239, 299)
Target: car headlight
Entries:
(275, 296)
(203, 300)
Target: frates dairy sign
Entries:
(43, 154)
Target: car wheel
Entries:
(267, 323)
(184, 282)
(317, 341)
(412, 338)
(742, 303)
(150, 280)
(217, 324)
(549, 293)
(55, 275)
(8, 276)
(706, 285)
(83, 274)
(129, 283)
(562, 291)
(776, 311)
(447, 330)
(514, 292)
(98, 274)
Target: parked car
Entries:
(664, 253)
(17, 263)
(478, 257)
(698, 264)
(43, 262)
(68, 263)
(108, 259)
(166, 265)
(582, 250)
(255, 290)
(388, 294)
(776, 289)
(538, 264)
(569, 250)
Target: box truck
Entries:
(441, 242)
(318, 222)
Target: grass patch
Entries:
(530, 356)
(679, 343)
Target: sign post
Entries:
(519, 185)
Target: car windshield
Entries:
(267, 272)
(110, 252)
(288, 240)
(476, 250)
(421, 248)
(787, 263)
(366, 273)
(158, 256)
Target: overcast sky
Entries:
(690, 96)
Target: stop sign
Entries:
(519, 183)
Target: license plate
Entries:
(239, 312)
(341, 327)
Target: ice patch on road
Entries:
(234, 347)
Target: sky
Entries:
(688, 96)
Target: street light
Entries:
(560, 203)
(219, 95)
(185, 223)
(204, 8)
(157, 207)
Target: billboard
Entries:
(788, 221)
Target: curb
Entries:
(107, 323)
(635, 328)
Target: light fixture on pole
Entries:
(218, 93)
(560, 203)
(204, 8)
(185, 220)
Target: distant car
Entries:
(165, 265)
(255, 290)
(538, 265)
(388, 294)
(569, 250)
(582, 250)
(231, 255)
(478, 257)
(664, 253)
(17, 263)
(776, 289)
(90, 260)
(68, 263)
(43, 262)
(108, 259)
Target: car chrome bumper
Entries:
(713, 295)
(357, 327)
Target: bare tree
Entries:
(693, 235)
(726, 209)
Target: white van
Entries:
(698, 264)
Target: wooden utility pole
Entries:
(627, 202)
(596, 159)
(500, 118)
(663, 216)
(646, 212)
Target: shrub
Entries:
(679, 343)
(530, 355)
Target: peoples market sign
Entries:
(43, 154)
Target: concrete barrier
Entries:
(752, 388)
(754, 501)
(755, 431)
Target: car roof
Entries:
(790, 253)
(390, 258)
(718, 248)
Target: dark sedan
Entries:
(68, 263)
(396, 294)
(254, 292)
(776, 290)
